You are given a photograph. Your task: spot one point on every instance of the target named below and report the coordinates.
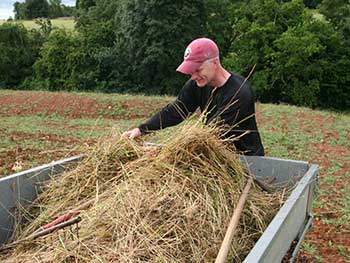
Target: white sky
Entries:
(6, 7)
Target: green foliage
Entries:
(297, 49)
(218, 23)
(257, 25)
(293, 52)
(135, 46)
(96, 22)
(264, 30)
(67, 63)
(19, 10)
(45, 26)
(335, 91)
(60, 58)
(338, 11)
(55, 8)
(36, 8)
(139, 44)
(18, 51)
(122, 46)
(312, 3)
(85, 4)
(151, 37)
(41, 9)
(68, 10)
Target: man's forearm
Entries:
(169, 116)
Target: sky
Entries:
(6, 7)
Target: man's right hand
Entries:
(132, 134)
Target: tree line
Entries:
(300, 55)
(31, 9)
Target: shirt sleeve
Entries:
(184, 105)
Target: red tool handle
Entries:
(58, 220)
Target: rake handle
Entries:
(41, 233)
(226, 243)
(58, 220)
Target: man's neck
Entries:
(221, 78)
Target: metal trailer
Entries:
(284, 234)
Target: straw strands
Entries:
(172, 207)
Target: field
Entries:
(39, 127)
(67, 23)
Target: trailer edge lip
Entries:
(42, 167)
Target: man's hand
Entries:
(132, 134)
(151, 151)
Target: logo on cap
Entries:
(187, 52)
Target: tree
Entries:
(298, 47)
(147, 38)
(335, 90)
(312, 3)
(85, 4)
(256, 25)
(19, 10)
(337, 11)
(55, 8)
(60, 61)
(36, 8)
(299, 59)
(219, 22)
(150, 40)
(69, 10)
(19, 49)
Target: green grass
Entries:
(62, 127)
(344, 251)
(58, 22)
(312, 250)
(26, 135)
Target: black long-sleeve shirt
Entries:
(231, 104)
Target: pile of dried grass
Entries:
(174, 207)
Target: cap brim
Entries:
(188, 67)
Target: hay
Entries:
(174, 207)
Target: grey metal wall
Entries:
(21, 189)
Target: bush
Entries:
(299, 59)
(312, 3)
(335, 85)
(67, 63)
(19, 49)
(36, 8)
(60, 59)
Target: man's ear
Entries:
(216, 62)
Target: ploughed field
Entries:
(39, 127)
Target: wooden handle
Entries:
(226, 243)
(41, 233)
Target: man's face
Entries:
(205, 73)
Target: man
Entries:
(226, 97)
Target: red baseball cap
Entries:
(198, 51)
